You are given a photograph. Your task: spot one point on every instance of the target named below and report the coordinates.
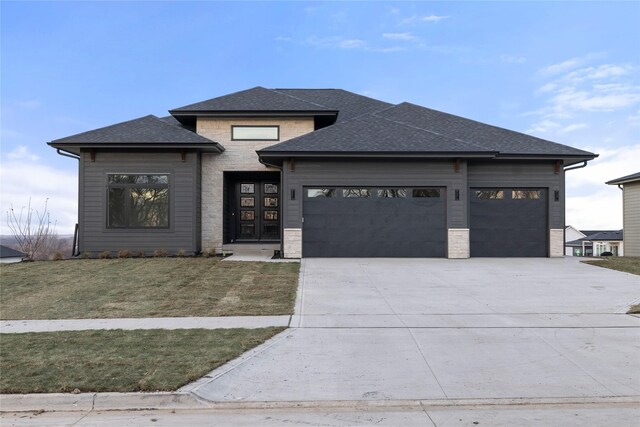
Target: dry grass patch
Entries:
(117, 360)
(626, 264)
(146, 287)
(634, 309)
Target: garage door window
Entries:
(526, 194)
(356, 192)
(426, 192)
(392, 192)
(322, 192)
(489, 194)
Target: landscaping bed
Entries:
(145, 287)
(117, 360)
(626, 264)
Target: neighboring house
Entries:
(321, 173)
(630, 186)
(595, 242)
(8, 255)
(571, 234)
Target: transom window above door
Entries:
(255, 133)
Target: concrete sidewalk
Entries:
(251, 322)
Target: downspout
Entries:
(576, 167)
(76, 242)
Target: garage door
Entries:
(373, 222)
(508, 222)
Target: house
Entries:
(8, 255)
(630, 186)
(594, 242)
(320, 173)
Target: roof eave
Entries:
(209, 147)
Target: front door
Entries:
(257, 210)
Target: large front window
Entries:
(137, 201)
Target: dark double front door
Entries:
(256, 210)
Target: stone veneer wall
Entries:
(458, 243)
(556, 242)
(238, 156)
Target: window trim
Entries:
(128, 186)
(277, 127)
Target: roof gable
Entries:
(372, 134)
(623, 180)
(257, 99)
(491, 137)
(145, 130)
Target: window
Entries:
(392, 192)
(356, 192)
(526, 194)
(137, 201)
(255, 133)
(321, 192)
(490, 194)
(426, 192)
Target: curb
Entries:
(84, 402)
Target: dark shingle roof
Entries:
(605, 235)
(411, 128)
(372, 134)
(255, 99)
(348, 104)
(6, 252)
(624, 179)
(502, 140)
(147, 130)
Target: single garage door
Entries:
(373, 222)
(508, 222)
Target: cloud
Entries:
(21, 153)
(400, 36)
(561, 67)
(573, 127)
(543, 126)
(513, 59)
(352, 44)
(425, 18)
(590, 202)
(596, 98)
(283, 39)
(29, 105)
(25, 178)
(604, 71)
(338, 42)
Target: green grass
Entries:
(626, 264)
(138, 360)
(149, 287)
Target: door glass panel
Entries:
(270, 215)
(271, 188)
(247, 188)
(270, 229)
(247, 230)
(490, 194)
(392, 192)
(322, 192)
(270, 202)
(425, 192)
(526, 194)
(247, 215)
(247, 202)
(356, 192)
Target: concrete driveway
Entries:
(437, 329)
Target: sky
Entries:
(564, 71)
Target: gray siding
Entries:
(631, 219)
(183, 233)
(522, 174)
(372, 174)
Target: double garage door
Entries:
(411, 222)
(374, 222)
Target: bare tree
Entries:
(35, 235)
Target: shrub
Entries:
(57, 256)
(85, 255)
(212, 252)
(104, 255)
(125, 253)
(160, 253)
(205, 253)
(181, 253)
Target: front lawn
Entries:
(626, 264)
(117, 360)
(147, 287)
